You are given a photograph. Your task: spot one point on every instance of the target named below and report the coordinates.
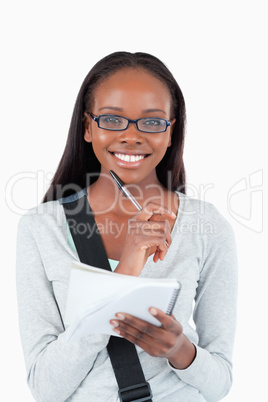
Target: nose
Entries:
(131, 135)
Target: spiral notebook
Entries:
(95, 295)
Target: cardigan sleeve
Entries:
(215, 315)
(55, 369)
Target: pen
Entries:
(124, 190)
(121, 185)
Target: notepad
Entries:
(95, 295)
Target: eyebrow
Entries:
(120, 109)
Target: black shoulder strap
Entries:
(123, 354)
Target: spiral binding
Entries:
(173, 301)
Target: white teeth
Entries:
(129, 158)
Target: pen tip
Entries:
(117, 180)
(113, 174)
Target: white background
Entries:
(217, 51)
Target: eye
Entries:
(152, 122)
(109, 119)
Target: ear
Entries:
(171, 131)
(87, 134)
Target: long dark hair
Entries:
(78, 159)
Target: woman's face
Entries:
(134, 94)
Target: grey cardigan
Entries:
(202, 257)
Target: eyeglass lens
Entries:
(152, 125)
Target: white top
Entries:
(202, 257)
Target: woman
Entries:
(129, 117)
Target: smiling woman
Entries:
(137, 95)
(129, 117)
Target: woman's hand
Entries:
(167, 341)
(148, 228)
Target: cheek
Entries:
(161, 144)
(101, 137)
(101, 140)
(100, 143)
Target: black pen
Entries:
(124, 190)
(127, 194)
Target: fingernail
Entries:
(153, 311)
(174, 215)
(114, 323)
(120, 316)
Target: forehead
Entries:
(132, 89)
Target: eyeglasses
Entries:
(119, 123)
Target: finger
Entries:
(136, 330)
(161, 251)
(168, 322)
(163, 248)
(151, 346)
(151, 338)
(150, 228)
(165, 230)
(132, 324)
(153, 234)
(156, 256)
(158, 218)
(152, 208)
(160, 230)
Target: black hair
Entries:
(78, 159)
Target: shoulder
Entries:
(49, 214)
(204, 216)
(40, 215)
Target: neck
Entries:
(105, 196)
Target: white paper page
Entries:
(135, 302)
(90, 287)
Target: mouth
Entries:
(129, 158)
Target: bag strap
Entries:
(123, 354)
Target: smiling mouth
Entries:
(129, 157)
